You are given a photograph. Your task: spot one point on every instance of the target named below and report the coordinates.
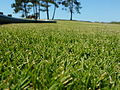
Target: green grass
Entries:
(68, 55)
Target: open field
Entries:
(68, 55)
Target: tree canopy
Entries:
(33, 8)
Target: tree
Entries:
(34, 5)
(46, 4)
(56, 5)
(21, 5)
(43, 5)
(72, 5)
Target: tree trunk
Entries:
(34, 8)
(71, 15)
(25, 10)
(54, 12)
(47, 10)
(39, 10)
(36, 11)
(71, 10)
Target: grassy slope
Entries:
(66, 55)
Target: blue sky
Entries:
(92, 10)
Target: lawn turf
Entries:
(69, 55)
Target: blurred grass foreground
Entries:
(68, 55)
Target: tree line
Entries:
(33, 8)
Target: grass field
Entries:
(68, 55)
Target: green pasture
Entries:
(68, 55)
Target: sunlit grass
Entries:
(67, 55)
